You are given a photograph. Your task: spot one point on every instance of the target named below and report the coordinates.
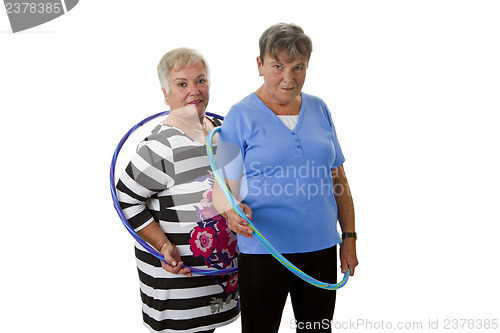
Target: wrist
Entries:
(228, 210)
(351, 235)
(167, 243)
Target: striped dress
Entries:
(169, 180)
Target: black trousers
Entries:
(265, 284)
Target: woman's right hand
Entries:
(238, 224)
(173, 257)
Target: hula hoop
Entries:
(262, 240)
(227, 193)
(118, 209)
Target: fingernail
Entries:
(174, 263)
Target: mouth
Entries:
(196, 102)
(288, 88)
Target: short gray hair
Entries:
(289, 38)
(176, 60)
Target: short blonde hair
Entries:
(176, 60)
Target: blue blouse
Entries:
(285, 174)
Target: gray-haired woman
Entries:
(165, 194)
(293, 187)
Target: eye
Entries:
(299, 68)
(182, 84)
(202, 81)
(278, 67)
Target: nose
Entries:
(193, 89)
(287, 76)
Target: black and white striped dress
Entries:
(169, 180)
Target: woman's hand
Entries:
(238, 224)
(172, 256)
(348, 258)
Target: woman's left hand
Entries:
(348, 258)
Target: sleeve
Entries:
(150, 171)
(230, 149)
(339, 156)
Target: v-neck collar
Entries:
(276, 119)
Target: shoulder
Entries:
(250, 101)
(245, 113)
(163, 136)
(216, 121)
(316, 106)
(249, 106)
(312, 100)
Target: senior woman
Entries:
(280, 154)
(165, 194)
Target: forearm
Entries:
(345, 208)
(154, 235)
(219, 201)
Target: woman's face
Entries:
(283, 79)
(188, 86)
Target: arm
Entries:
(155, 236)
(345, 206)
(230, 157)
(134, 188)
(234, 221)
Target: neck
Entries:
(290, 108)
(188, 115)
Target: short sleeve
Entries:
(339, 156)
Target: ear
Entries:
(259, 65)
(166, 95)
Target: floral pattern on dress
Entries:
(216, 244)
(212, 239)
(203, 241)
(232, 284)
(231, 292)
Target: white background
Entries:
(413, 87)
